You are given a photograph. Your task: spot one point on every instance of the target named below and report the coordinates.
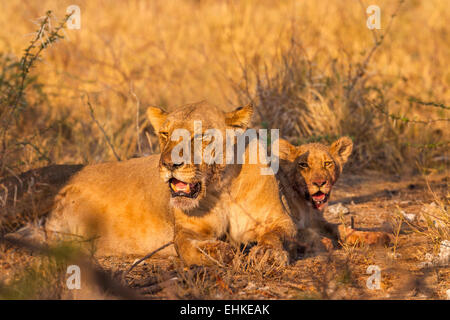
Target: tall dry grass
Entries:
(296, 60)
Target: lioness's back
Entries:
(125, 205)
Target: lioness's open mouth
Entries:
(180, 188)
(319, 199)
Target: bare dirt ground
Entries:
(375, 202)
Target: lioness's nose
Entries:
(171, 165)
(319, 183)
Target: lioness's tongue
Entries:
(319, 197)
(178, 185)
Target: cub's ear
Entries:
(341, 149)
(157, 117)
(286, 150)
(239, 118)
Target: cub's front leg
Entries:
(312, 240)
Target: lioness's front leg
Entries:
(270, 249)
(196, 240)
(193, 249)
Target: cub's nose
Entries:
(319, 183)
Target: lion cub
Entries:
(307, 175)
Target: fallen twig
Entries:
(147, 257)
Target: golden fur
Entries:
(307, 174)
(130, 206)
(122, 206)
(308, 170)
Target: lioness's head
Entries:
(314, 168)
(187, 177)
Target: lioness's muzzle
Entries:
(180, 188)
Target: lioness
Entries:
(307, 175)
(136, 206)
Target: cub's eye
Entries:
(328, 163)
(164, 135)
(303, 165)
(198, 137)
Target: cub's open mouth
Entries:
(319, 199)
(182, 189)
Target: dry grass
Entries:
(434, 219)
(308, 66)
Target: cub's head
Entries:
(314, 168)
(189, 162)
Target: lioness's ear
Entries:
(156, 117)
(240, 117)
(341, 149)
(286, 150)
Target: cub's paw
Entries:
(261, 255)
(215, 251)
(371, 238)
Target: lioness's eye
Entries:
(164, 135)
(328, 163)
(303, 165)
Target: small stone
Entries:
(429, 212)
(250, 286)
(429, 257)
(338, 209)
(332, 287)
(394, 256)
(410, 217)
(425, 264)
(443, 258)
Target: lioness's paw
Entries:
(216, 251)
(262, 255)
